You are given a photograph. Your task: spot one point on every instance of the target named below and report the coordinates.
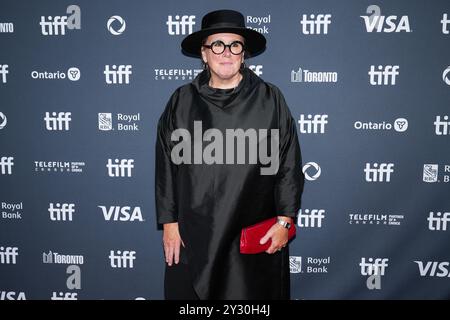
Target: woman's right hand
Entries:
(172, 241)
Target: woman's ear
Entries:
(205, 61)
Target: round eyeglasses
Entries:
(218, 47)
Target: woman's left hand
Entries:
(279, 236)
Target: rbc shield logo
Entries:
(295, 264)
(104, 121)
(430, 173)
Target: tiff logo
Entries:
(53, 26)
(442, 127)
(8, 255)
(379, 173)
(383, 77)
(315, 24)
(121, 259)
(311, 218)
(373, 267)
(120, 168)
(313, 125)
(183, 23)
(257, 69)
(6, 164)
(118, 74)
(61, 212)
(58, 121)
(445, 21)
(438, 221)
(3, 72)
(64, 296)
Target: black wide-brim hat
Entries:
(224, 21)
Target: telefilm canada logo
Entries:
(59, 166)
(176, 73)
(380, 219)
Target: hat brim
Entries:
(255, 42)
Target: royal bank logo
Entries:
(295, 264)
(384, 75)
(123, 122)
(59, 166)
(3, 72)
(310, 218)
(359, 218)
(176, 74)
(437, 221)
(116, 25)
(3, 120)
(180, 25)
(12, 295)
(431, 173)
(312, 171)
(445, 22)
(313, 124)
(12, 211)
(122, 214)
(72, 74)
(311, 265)
(400, 125)
(57, 25)
(258, 23)
(434, 269)
(307, 76)
(376, 22)
(6, 164)
(51, 257)
(315, 24)
(6, 27)
(257, 69)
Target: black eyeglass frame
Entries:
(225, 46)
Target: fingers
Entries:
(177, 253)
(279, 239)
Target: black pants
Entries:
(177, 280)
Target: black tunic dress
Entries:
(212, 202)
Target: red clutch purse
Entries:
(251, 235)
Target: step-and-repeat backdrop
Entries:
(82, 85)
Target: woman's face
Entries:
(226, 65)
